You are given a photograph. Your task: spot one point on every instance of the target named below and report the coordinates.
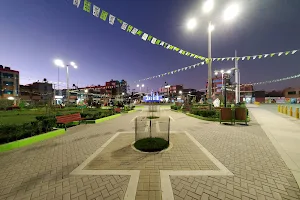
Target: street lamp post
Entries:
(140, 86)
(229, 13)
(60, 63)
(223, 89)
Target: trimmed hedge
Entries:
(13, 132)
(205, 113)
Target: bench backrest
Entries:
(68, 118)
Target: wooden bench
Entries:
(65, 119)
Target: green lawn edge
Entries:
(203, 118)
(96, 121)
(31, 140)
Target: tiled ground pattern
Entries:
(119, 155)
(41, 171)
(259, 172)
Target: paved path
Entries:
(284, 132)
(42, 171)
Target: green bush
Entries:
(151, 144)
(12, 132)
(175, 107)
(205, 113)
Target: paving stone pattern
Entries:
(41, 171)
(259, 171)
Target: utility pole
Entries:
(237, 80)
(209, 67)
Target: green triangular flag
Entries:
(129, 28)
(272, 54)
(238, 58)
(218, 59)
(171, 47)
(227, 58)
(87, 6)
(157, 42)
(287, 53)
(119, 20)
(165, 45)
(248, 57)
(139, 33)
(259, 56)
(149, 38)
(103, 15)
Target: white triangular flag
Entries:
(145, 36)
(185, 68)
(254, 57)
(232, 58)
(280, 53)
(124, 26)
(190, 67)
(243, 58)
(194, 66)
(266, 55)
(134, 30)
(168, 46)
(76, 3)
(223, 59)
(171, 72)
(158, 75)
(180, 51)
(96, 11)
(214, 59)
(112, 19)
(153, 40)
(202, 63)
(162, 43)
(178, 70)
(294, 51)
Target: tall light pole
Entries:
(140, 86)
(223, 90)
(229, 13)
(60, 63)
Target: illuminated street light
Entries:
(140, 86)
(180, 92)
(191, 24)
(208, 6)
(211, 28)
(60, 63)
(86, 90)
(231, 12)
(228, 72)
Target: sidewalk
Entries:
(284, 134)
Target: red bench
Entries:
(65, 119)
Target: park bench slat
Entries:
(68, 118)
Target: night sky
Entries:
(34, 32)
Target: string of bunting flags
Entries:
(173, 72)
(275, 80)
(260, 56)
(105, 16)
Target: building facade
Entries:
(37, 92)
(9, 83)
(291, 92)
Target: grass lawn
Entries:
(29, 115)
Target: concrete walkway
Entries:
(284, 134)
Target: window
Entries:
(291, 92)
(7, 75)
(8, 92)
(8, 83)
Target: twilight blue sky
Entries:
(34, 32)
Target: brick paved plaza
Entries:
(96, 161)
